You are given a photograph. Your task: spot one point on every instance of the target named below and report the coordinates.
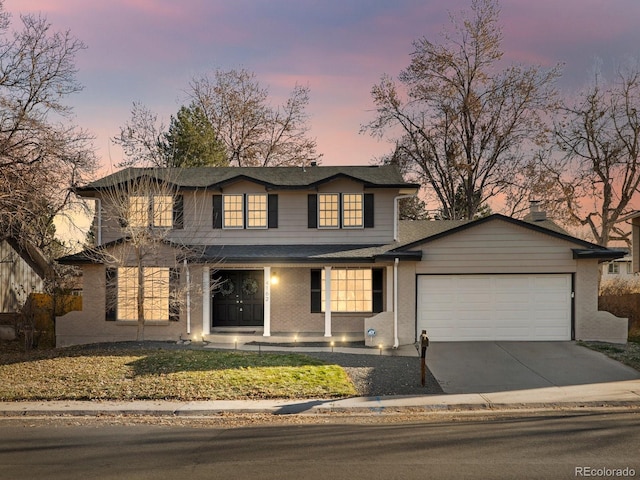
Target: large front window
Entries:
(351, 290)
(155, 293)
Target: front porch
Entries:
(294, 304)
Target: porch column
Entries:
(327, 301)
(267, 302)
(206, 301)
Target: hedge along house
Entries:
(317, 253)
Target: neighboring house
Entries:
(620, 268)
(318, 253)
(22, 272)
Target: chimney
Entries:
(537, 215)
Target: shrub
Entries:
(620, 286)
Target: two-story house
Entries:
(318, 253)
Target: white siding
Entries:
(497, 247)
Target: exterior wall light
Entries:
(275, 279)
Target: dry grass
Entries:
(125, 374)
(629, 354)
(620, 286)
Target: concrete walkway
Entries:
(474, 376)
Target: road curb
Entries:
(322, 407)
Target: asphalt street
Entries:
(557, 445)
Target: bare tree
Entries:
(141, 139)
(597, 172)
(254, 132)
(464, 123)
(42, 154)
(143, 210)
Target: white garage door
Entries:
(495, 307)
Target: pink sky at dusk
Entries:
(147, 51)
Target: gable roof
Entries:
(427, 231)
(271, 177)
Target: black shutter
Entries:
(111, 294)
(316, 290)
(178, 212)
(312, 205)
(368, 210)
(377, 287)
(174, 289)
(272, 213)
(217, 211)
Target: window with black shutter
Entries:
(178, 212)
(174, 294)
(316, 290)
(111, 294)
(273, 210)
(217, 211)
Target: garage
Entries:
(495, 307)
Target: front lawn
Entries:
(125, 374)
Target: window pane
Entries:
(350, 290)
(162, 211)
(256, 211)
(127, 293)
(138, 211)
(156, 293)
(233, 211)
(352, 210)
(328, 210)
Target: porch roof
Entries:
(301, 253)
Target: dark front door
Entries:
(238, 300)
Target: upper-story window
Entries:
(328, 210)
(233, 211)
(346, 210)
(154, 211)
(244, 211)
(352, 210)
(256, 210)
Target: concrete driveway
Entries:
(482, 367)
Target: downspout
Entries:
(396, 214)
(186, 267)
(98, 207)
(396, 341)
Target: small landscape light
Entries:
(332, 345)
(380, 347)
(235, 341)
